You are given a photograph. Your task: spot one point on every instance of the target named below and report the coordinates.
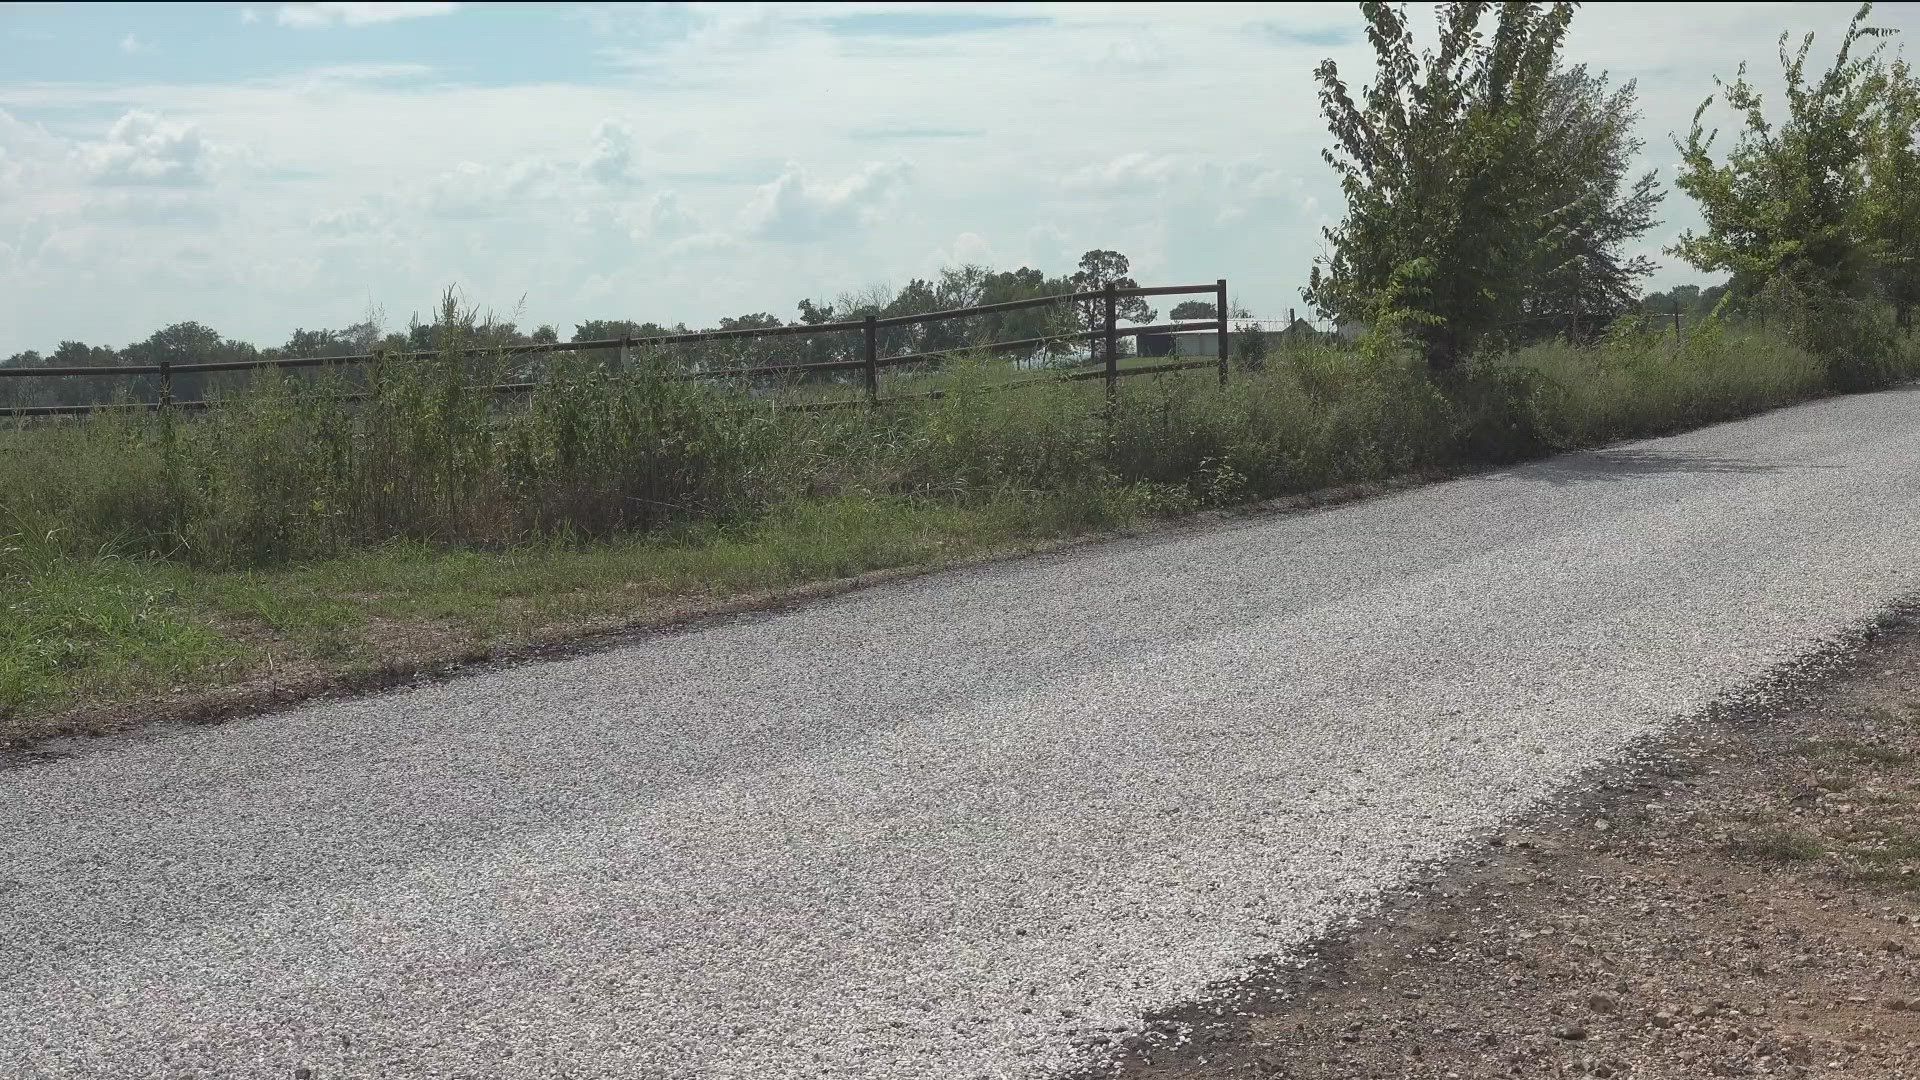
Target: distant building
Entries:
(1180, 343)
(1195, 343)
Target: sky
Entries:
(260, 168)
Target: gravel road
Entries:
(966, 826)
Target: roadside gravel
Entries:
(965, 826)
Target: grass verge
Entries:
(99, 634)
(296, 540)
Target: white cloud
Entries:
(309, 16)
(610, 161)
(143, 148)
(966, 248)
(667, 219)
(470, 189)
(359, 161)
(249, 15)
(1130, 173)
(344, 222)
(131, 45)
(794, 207)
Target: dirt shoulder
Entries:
(1744, 900)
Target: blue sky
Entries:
(265, 167)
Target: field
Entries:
(292, 540)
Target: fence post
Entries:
(1220, 312)
(166, 419)
(871, 354)
(1113, 346)
(1676, 320)
(620, 362)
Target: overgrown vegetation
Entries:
(143, 555)
(402, 509)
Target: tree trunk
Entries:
(1442, 350)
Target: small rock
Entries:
(1895, 947)
(1570, 1032)
(1662, 1020)
(303, 1073)
(1603, 1004)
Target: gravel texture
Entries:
(959, 827)
(1740, 898)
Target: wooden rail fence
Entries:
(870, 363)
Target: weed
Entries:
(1779, 845)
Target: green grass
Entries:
(1780, 845)
(111, 629)
(430, 521)
(105, 627)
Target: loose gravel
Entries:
(966, 826)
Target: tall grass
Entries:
(298, 469)
(406, 494)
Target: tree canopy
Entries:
(1789, 202)
(1455, 176)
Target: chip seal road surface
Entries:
(964, 826)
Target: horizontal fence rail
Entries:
(870, 363)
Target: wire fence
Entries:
(840, 355)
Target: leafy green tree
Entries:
(1788, 203)
(608, 329)
(1098, 268)
(1687, 299)
(20, 393)
(1893, 192)
(1582, 277)
(1193, 309)
(1438, 164)
(186, 343)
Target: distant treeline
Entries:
(965, 286)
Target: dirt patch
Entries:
(1742, 901)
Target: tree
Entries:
(1097, 269)
(1892, 214)
(1686, 299)
(1438, 162)
(1582, 277)
(1249, 348)
(1788, 203)
(1194, 309)
(307, 343)
(185, 343)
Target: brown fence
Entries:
(870, 363)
